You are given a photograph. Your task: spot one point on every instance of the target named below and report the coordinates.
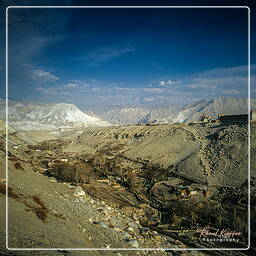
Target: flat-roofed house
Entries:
(253, 115)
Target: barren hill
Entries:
(131, 186)
(36, 116)
(172, 113)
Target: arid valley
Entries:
(135, 186)
(127, 128)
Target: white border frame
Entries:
(133, 249)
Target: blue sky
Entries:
(93, 57)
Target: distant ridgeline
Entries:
(206, 110)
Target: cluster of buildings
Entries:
(228, 118)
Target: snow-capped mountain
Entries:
(37, 116)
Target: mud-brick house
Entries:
(238, 118)
(253, 115)
(233, 118)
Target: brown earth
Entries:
(147, 186)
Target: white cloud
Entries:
(96, 89)
(146, 99)
(227, 72)
(105, 54)
(90, 92)
(46, 90)
(229, 80)
(40, 74)
(71, 85)
(154, 90)
(202, 86)
(26, 65)
(221, 81)
(30, 46)
(52, 91)
(169, 82)
(212, 83)
(125, 89)
(231, 92)
(27, 37)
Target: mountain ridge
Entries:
(54, 116)
(126, 115)
(193, 112)
(39, 116)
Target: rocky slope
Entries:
(45, 213)
(133, 186)
(227, 106)
(123, 115)
(192, 151)
(36, 116)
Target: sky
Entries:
(102, 57)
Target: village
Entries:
(96, 162)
